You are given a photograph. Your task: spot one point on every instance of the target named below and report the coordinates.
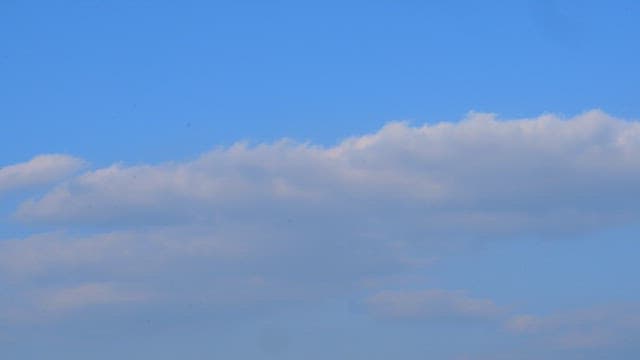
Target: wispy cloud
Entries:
(431, 304)
(87, 295)
(584, 328)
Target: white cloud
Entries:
(478, 177)
(289, 221)
(430, 304)
(41, 170)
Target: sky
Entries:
(319, 180)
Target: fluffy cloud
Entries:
(290, 221)
(429, 304)
(41, 170)
(479, 177)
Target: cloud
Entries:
(431, 304)
(596, 327)
(296, 222)
(86, 295)
(41, 170)
(123, 251)
(222, 266)
(481, 177)
(55, 302)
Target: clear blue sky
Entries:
(131, 229)
(77, 76)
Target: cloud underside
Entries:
(293, 221)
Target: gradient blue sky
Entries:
(319, 180)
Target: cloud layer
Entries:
(294, 222)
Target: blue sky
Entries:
(284, 180)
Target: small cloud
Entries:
(41, 170)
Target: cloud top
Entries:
(40, 170)
(480, 176)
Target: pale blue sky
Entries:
(400, 218)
